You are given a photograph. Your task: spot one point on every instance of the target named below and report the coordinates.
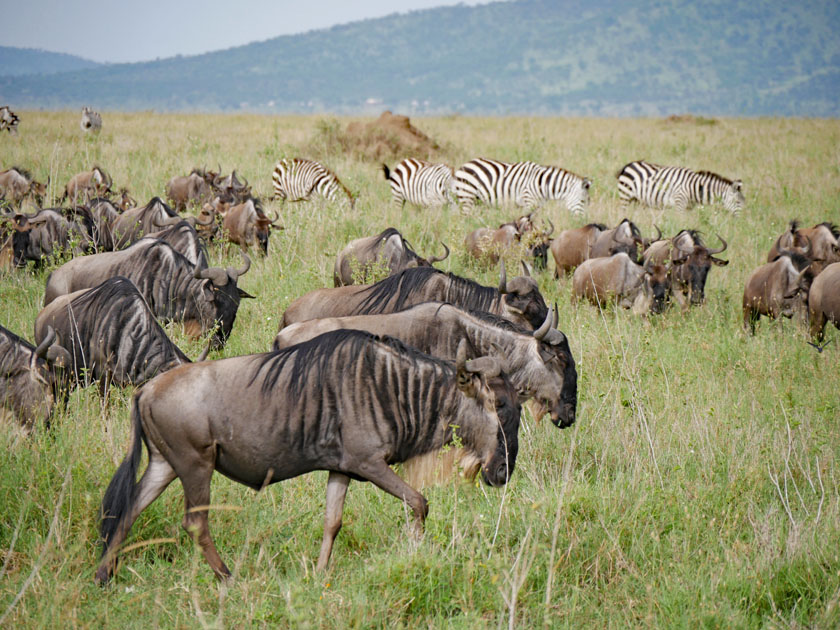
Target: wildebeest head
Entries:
(221, 298)
(626, 238)
(657, 285)
(538, 242)
(124, 200)
(558, 399)
(522, 299)
(691, 261)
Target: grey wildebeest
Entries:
(134, 224)
(184, 238)
(488, 244)
(347, 402)
(824, 300)
(30, 378)
(47, 233)
(690, 262)
(17, 184)
(519, 300)
(86, 185)
(776, 288)
(625, 237)
(91, 120)
(194, 187)
(821, 242)
(572, 247)
(618, 278)
(247, 226)
(175, 288)
(387, 248)
(110, 334)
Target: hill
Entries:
(23, 61)
(650, 57)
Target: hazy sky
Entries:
(128, 30)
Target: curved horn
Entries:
(216, 275)
(486, 366)
(542, 331)
(556, 316)
(658, 233)
(503, 278)
(718, 251)
(461, 355)
(166, 222)
(435, 259)
(525, 268)
(205, 352)
(276, 219)
(41, 350)
(246, 265)
(209, 221)
(551, 231)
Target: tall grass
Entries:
(699, 486)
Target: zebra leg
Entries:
(336, 492)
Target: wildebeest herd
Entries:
(363, 375)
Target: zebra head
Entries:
(577, 197)
(733, 197)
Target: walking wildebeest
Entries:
(824, 300)
(776, 288)
(388, 247)
(111, 335)
(572, 247)
(519, 300)
(618, 278)
(87, 185)
(347, 402)
(175, 288)
(134, 224)
(17, 184)
(46, 233)
(690, 262)
(247, 226)
(30, 378)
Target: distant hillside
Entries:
(22, 61)
(585, 57)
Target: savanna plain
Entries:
(699, 486)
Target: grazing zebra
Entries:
(524, 184)
(419, 182)
(667, 186)
(91, 120)
(297, 179)
(8, 120)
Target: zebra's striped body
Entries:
(419, 182)
(674, 186)
(297, 179)
(8, 120)
(524, 184)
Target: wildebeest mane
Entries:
(23, 172)
(169, 211)
(311, 358)
(696, 236)
(8, 360)
(497, 321)
(832, 227)
(600, 226)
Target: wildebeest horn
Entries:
(246, 265)
(276, 219)
(41, 350)
(551, 231)
(205, 352)
(718, 251)
(210, 220)
(542, 331)
(486, 366)
(556, 316)
(435, 259)
(461, 355)
(503, 278)
(658, 233)
(526, 268)
(166, 222)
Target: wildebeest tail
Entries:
(122, 491)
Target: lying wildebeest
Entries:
(572, 247)
(134, 224)
(17, 184)
(91, 120)
(193, 187)
(625, 237)
(824, 300)
(47, 233)
(87, 185)
(346, 402)
(519, 300)
(31, 379)
(388, 248)
(539, 363)
(175, 288)
(690, 261)
(247, 226)
(110, 334)
(488, 244)
(776, 288)
(618, 278)
(8, 120)
(822, 242)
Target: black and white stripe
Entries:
(297, 179)
(524, 184)
(91, 120)
(419, 182)
(675, 186)
(8, 120)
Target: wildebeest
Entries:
(30, 377)
(231, 186)
(625, 237)
(824, 300)
(8, 120)
(618, 278)
(136, 223)
(690, 263)
(387, 248)
(110, 334)
(346, 402)
(104, 213)
(247, 226)
(91, 120)
(488, 244)
(47, 233)
(86, 185)
(539, 363)
(194, 187)
(776, 289)
(175, 288)
(822, 242)
(519, 300)
(17, 184)
(572, 247)
(184, 238)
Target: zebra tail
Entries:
(386, 171)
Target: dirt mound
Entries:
(390, 137)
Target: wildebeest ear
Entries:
(245, 294)
(58, 356)
(466, 381)
(718, 261)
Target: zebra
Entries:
(524, 184)
(8, 120)
(297, 179)
(91, 120)
(675, 186)
(420, 182)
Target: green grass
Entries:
(699, 486)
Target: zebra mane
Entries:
(720, 178)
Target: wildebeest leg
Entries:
(159, 474)
(751, 317)
(336, 491)
(382, 475)
(196, 482)
(105, 387)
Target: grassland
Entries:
(699, 486)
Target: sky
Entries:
(118, 31)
